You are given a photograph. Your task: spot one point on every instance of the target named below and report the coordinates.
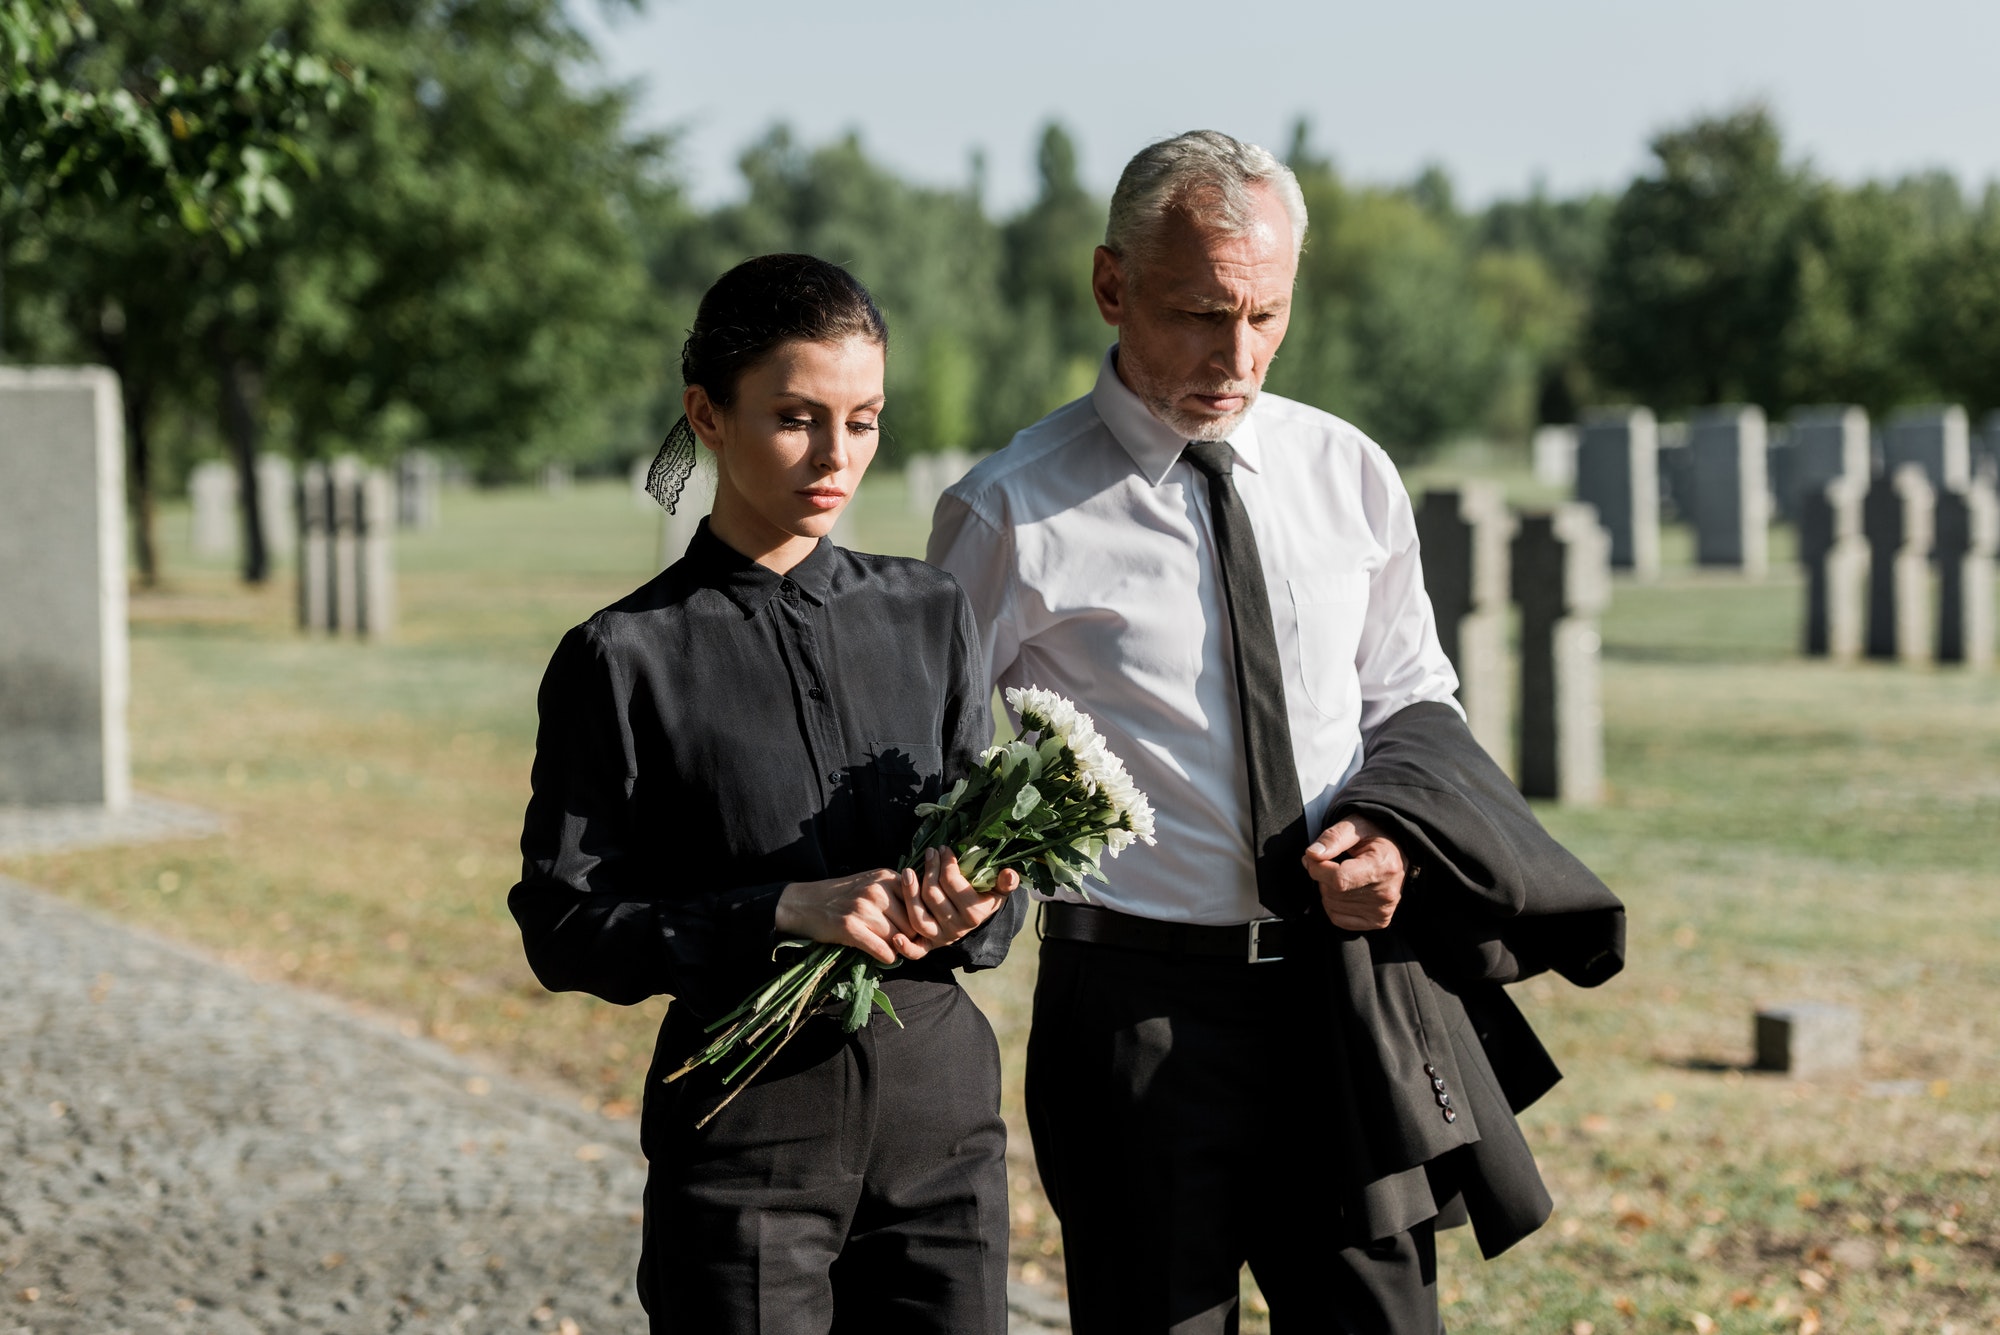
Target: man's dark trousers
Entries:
(1175, 1103)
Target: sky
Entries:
(1498, 93)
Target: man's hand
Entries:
(866, 910)
(944, 906)
(1360, 874)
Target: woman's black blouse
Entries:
(726, 730)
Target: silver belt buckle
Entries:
(1256, 955)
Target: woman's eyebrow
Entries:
(811, 402)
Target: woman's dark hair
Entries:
(768, 301)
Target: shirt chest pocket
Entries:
(1328, 612)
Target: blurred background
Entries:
(472, 233)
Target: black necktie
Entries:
(1277, 812)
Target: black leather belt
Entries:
(1260, 942)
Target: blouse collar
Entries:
(752, 586)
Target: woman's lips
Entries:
(823, 498)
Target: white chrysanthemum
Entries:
(1044, 711)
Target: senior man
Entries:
(1255, 1045)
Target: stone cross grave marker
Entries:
(1562, 580)
(1835, 556)
(1732, 488)
(1617, 473)
(64, 664)
(1898, 518)
(1968, 536)
(347, 570)
(1937, 439)
(212, 509)
(1464, 535)
(1986, 449)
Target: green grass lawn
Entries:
(1780, 829)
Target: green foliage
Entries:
(209, 149)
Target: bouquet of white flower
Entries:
(1048, 804)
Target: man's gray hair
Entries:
(1205, 171)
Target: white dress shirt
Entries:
(1087, 551)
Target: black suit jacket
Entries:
(1492, 899)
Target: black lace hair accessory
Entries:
(668, 476)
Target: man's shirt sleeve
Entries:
(979, 554)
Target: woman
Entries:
(731, 756)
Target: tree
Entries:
(1700, 274)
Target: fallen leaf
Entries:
(569, 1327)
(1664, 1101)
(1703, 1323)
(479, 1086)
(1813, 1280)
(1582, 1327)
(1596, 1124)
(1743, 1298)
(1809, 1321)
(31, 1294)
(1625, 1306)
(1635, 1221)
(591, 1153)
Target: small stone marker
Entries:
(419, 490)
(1732, 488)
(277, 481)
(212, 509)
(1968, 536)
(347, 572)
(1936, 438)
(1808, 1038)
(1898, 515)
(315, 506)
(64, 665)
(1617, 472)
(557, 477)
(1464, 536)
(927, 475)
(677, 530)
(1675, 463)
(1986, 449)
(1561, 579)
(1554, 452)
(1835, 557)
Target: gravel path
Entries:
(186, 1149)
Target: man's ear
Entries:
(703, 416)
(1108, 284)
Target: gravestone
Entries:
(1937, 439)
(927, 475)
(1828, 441)
(344, 487)
(212, 509)
(1617, 473)
(347, 518)
(1835, 556)
(1968, 535)
(1808, 1038)
(1562, 580)
(277, 480)
(677, 530)
(1732, 489)
(64, 666)
(315, 528)
(1897, 518)
(377, 516)
(419, 490)
(1986, 449)
(1463, 535)
(1554, 452)
(1782, 463)
(1676, 469)
(557, 478)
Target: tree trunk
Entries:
(242, 412)
(139, 480)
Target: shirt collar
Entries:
(1154, 446)
(752, 586)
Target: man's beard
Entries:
(1197, 426)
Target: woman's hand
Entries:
(943, 906)
(867, 910)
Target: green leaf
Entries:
(882, 1004)
(1026, 800)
